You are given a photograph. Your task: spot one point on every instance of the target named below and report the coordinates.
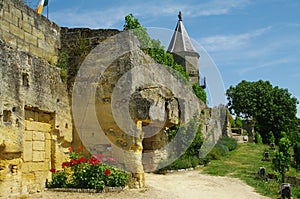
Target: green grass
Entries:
(243, 163)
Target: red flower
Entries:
(70, 149)
(94, 161)
(107, 172)
(80, 148)
(65, 164)
(73, 162)
(52, 170)
(82, 159)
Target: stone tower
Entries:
(184, 52)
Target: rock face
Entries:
(128, 100)
(35, 119)
(35, 125)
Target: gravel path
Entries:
(178, 185)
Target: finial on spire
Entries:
(180, 16)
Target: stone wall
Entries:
(35, 121)
(22, 28)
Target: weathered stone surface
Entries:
(34, 111)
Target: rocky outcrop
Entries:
(35, 121)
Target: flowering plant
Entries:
(92, 173)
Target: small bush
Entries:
(218, 151)
(183, 162)
(230, 143)
(258, 139)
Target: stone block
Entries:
(37, 126)
(38, 33)
(23, 45)
(34, 50)
(35, 166)
(27, 19)
(38, 156)
(27, 153)
(16, 31)
(4, 25)
(29, 38)
(26, 27)
(9, 38)
(47, 136)
(16, 12)
(38, 136)
(28, 136)
(11, 18)
(48, 149)
(38, 145)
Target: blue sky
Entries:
(251, 40)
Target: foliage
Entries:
(183, 162)
(258, 139)
(217, 152)
(59, 179)
(199, 92)
(239, 122)
(92, 173)
(271, 108)
(222, 148)
(154, 48)
(297, 155)
(230, 143)
(283, 156)
(271, 138)
(188, 131)
(62, 63)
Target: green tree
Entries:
(271, 108)
(297, 155)
(283, 156)
(258, 139)
(271, 138)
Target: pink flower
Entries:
(82, 159)
(111, 159)
(94, 161)
(65, 164)
(52, 170)
(70, 149)
(107, 172)
(99, 156)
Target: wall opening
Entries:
(25, 79)
(7, 116)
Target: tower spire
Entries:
(180, 16)
(183, 50)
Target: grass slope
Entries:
(243, 163)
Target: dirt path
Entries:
(179, 185)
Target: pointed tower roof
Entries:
(180, 41)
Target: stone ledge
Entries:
(105, 190)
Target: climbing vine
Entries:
(154, 48)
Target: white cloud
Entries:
(96, 17)
(229, 42)
(264, 65)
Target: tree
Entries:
(271, 108)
